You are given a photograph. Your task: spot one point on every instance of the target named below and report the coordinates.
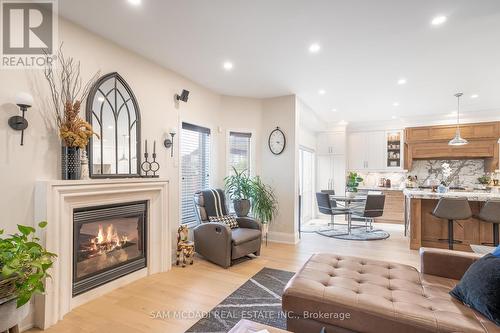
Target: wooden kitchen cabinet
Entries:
(431, 142)
(393, 207)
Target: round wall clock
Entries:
(277, 141)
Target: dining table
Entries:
(348, 202)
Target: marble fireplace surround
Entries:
(55, 202)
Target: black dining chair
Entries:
(373, 207)
(329, 207)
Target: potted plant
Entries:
(264, 203)
(239, 188)
(67, 93)
(23, 269)
(353, 180)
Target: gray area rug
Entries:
(258, 299)
(356, 234)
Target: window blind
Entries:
(239, 151)
(195, 166)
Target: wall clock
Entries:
(277, 141)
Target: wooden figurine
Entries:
(185, 248)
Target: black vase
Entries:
(70, 163)
(241, 207)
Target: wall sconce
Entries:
(169, 142)
(183, 96)
(19, 123)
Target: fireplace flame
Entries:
(108, 240)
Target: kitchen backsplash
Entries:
(464, 172)
(371, 179)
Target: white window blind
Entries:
(240, 151)
(195, 166)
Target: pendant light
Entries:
(458, 140)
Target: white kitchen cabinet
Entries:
(367, 150)
(330, 173)
(331, 143)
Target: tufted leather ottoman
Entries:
(350, 294)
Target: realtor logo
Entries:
(28, 33)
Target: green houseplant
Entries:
(24, 265)
(239, 188)
(353, 180)
(264, 203)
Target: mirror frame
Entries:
(88, 111)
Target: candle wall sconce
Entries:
(169, 142)
(19, 123)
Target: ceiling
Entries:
(366, 47)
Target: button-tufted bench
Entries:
(350, 294)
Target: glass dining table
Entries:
(348, 204)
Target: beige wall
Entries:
(154, 87)
(281, 171)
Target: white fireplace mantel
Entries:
(55, 202)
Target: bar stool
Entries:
(452, 209)
(491, 213)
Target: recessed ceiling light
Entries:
(227, 65)
(343, 123)
(474, 96)
(395, 104)
(401, 81)
(110, 127)
(394, 117)
(438, 20)
(321, 92)
(334, 110)
(100, 99)
(314, 48)
(135, 2)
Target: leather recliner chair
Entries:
(217, 242)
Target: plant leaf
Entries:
(42, 224)
(25, 230)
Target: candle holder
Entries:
(150, 169)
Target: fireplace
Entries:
(108, 242)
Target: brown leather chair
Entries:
(217, 242)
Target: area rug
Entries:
(258, 299)
(359, 234)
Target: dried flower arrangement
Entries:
(67, 93)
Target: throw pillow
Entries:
(479, 288)
(230, 220)
(496, 252)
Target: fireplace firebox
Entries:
(109, 242)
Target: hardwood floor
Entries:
(200, 287)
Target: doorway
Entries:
(306, 184)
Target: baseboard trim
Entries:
(283, 237)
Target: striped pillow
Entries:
(230, 220)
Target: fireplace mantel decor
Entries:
(150, 243)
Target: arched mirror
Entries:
(113, 112)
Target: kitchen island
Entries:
(425, 230)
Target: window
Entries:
(195, 167)
(239, 151)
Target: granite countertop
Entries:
(470, 195)
(379, 188)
